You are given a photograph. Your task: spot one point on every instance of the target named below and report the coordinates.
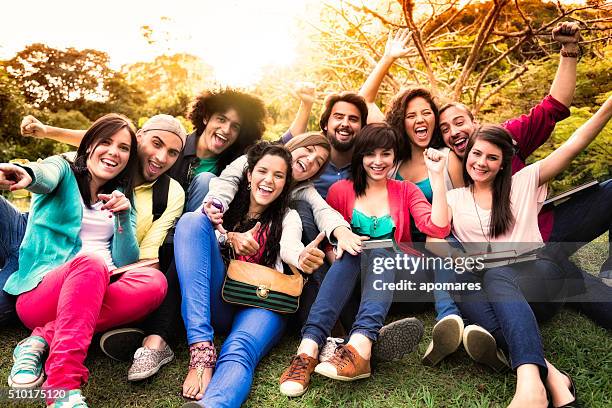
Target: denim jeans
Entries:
(251, 332)
(198, 188)
(339, 284)
(510, 303)
(12, 229)
(593, 209)
(312, 286)
(583, 218)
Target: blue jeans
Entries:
(12, 229)
(593, 209)
(251, 332)
(198, 188)
(338, 286)
(510, 304)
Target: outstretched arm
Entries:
(562, 89)
(30, 126)
(394, 49)
(559, 159)
(306, 93)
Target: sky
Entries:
(237, 37)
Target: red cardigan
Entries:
(405, 199)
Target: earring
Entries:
(249, 186)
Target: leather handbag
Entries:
(250, 284)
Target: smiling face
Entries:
(456, 127)
(267, 181)
(307, 161)
(377, 163)
(343, 125)
(419, 122)
(222, 129)
(158, 150)
(483, 162)
(109, 156)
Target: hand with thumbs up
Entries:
(244, 243)
(312, 257)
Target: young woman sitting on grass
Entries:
(309, 154)
(380, 208)
(500, 211)
(81, 226)
(263, 230)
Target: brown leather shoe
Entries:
(296, 378)
(345, 365)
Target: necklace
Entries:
(480, 222)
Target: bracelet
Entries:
(569, 54)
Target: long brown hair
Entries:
(104, 128)
(272, 217)
(501, 210)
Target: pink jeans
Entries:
(75, 300)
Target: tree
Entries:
(466, 52)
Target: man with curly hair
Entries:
(226, 122)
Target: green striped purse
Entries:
(250, 284)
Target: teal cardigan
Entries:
(52, 233)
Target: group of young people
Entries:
(98, 252)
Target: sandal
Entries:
(202, 356)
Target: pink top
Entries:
(526, 198)
(530, 132)
(406, 201)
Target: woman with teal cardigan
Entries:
(81, 227)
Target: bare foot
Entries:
(533, 396)
(197, 379)
(559, 387)
(194, 387)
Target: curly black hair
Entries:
(251, 111)
(272, 217)
(397, 111)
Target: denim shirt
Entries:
(329, 176)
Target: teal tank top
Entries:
(373, 227)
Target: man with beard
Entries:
(345, 114)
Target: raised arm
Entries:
(435, 161)
(30, 126)
(306, 93)
(562, 89)
(394, 49)
(559, 159)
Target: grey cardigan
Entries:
(225, 186)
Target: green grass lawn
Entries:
(572, 342)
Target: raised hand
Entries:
(566, 33)
(244, 243)
(396, 46)
(306, 92)
(115, 202)
(348, 241)
(30, 126)
(312, 257)
(13, 177)
(434, 160)
(214, 214)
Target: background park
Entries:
(68, 63)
